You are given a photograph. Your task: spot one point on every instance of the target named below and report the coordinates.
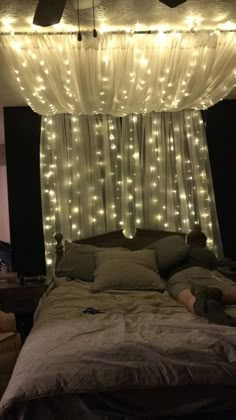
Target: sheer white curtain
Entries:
(123, 73)
(102, 173)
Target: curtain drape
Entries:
(102, 173)
(120, 74)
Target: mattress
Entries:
(134, 343)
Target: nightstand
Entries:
(22, 301)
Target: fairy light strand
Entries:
(117, 188)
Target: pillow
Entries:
(145, 257)
(79, 261)
(170, 252)
(130, 270)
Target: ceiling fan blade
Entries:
(48, 12)
(172, 3)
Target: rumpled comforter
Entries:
(139, 340)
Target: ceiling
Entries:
(17, 15)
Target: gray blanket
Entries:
(140, 340)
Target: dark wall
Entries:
(221, 138)
(22, 137)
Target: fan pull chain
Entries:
(95, 34)
(79, 36)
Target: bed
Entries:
(104, 353)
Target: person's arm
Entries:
(213, 261)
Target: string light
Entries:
(169, 99)
(76, 179)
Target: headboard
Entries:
(142, 238)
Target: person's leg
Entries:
(187, 299)
(195, 298)
(205, 302)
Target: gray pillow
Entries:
(170, 252)
(130, 270)
(79, 261)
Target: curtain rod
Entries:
(149, 32)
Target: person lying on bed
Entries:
(198, 286)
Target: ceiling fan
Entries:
(49, 12)
(172, 3)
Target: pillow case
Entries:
(79, 261)
(170, 252)
(130, 270)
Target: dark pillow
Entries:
(79, 261)
(170, 252)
